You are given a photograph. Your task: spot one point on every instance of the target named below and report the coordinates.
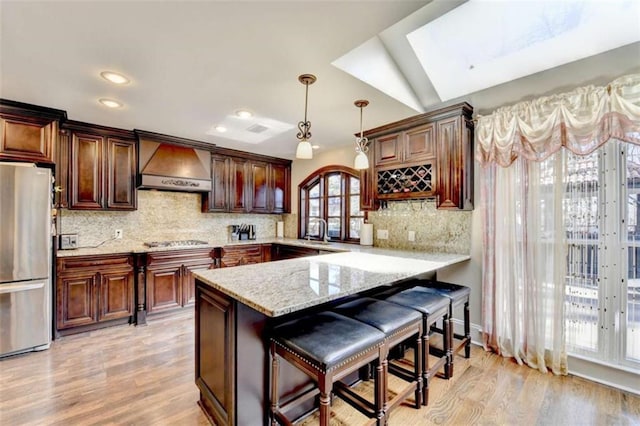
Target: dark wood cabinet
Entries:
(93, 291)
(283, 251)
(170, 283)
(28, 132)
(101, 167)
(246, 183)
(240, 255)
(428, 155)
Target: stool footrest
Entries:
(355, 400)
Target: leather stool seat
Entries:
(399, 324)
(433, 307)
(327, 347)
(327, 339)
(456, 292)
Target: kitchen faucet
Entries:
(325, 228)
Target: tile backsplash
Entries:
(161, 216)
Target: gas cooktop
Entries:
(175, 243)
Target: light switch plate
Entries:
(67, 241)
(383, 234)
(411, 236)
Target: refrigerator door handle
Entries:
(14, 288)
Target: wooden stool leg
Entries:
(380, 399)
(447, 338)
(467, 331)
(274, 384)
(324, 385)
(417, 362)
(425, 365)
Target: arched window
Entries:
(331, 193)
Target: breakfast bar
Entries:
(236, 308)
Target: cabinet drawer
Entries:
(241, 255)
(101, 262)
(180, 257)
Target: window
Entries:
(602, 297)
(331, 194)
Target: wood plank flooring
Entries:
(145, 376)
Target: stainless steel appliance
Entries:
(25, 258)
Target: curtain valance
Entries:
(580, 120)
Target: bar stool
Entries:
(433, 307)
(458, 295)
(327, 347)
(398, 323)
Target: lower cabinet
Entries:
(282, 252)
(93, 291)
(170, 283)
(241, 255)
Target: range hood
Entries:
(173, 164)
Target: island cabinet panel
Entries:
(100, 165)
(93, 292)
(169, 280)
(215, 355)
(240, 255)
(28, 132)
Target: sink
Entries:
(314, 243)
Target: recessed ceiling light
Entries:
(315, 146)
(243, 113)
(114, 77)
(221, 129)
(110, 103)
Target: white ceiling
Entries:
(192, 64)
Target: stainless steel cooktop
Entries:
(175, 243)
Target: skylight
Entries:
(483, 43)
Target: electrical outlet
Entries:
(118, 234)
(411, 236)
(383, 234)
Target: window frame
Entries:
(320, 177)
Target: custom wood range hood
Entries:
(173, 164)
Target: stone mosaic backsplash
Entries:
(161, 216)
(435, 230)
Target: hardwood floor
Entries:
(145, 376)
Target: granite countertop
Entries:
(285, 286)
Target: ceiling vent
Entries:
(257, 128)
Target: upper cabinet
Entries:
(28, 132)
(98, 167)
(246, 183)
(428, 155)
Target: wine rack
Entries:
(406, 182)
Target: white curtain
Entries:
(525, 249)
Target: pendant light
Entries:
(304, 150)
(362, 161)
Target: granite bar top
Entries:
(286, 286)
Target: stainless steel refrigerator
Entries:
(25, 258)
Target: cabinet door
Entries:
(164, 288)
(369, 184)
(388, 149)
(189, 281)
(27, 138)
(116, 295)
(240, 255)
(217, 200)
(237, 185)
(76, 300)
(259, 199)
(121, 174)
(420, 144)
(280, 188)
(449, 164)
(86, 172)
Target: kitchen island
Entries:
(236, 307)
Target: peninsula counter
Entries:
(235, 308)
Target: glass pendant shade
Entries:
(304, 151)
(361, 162)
